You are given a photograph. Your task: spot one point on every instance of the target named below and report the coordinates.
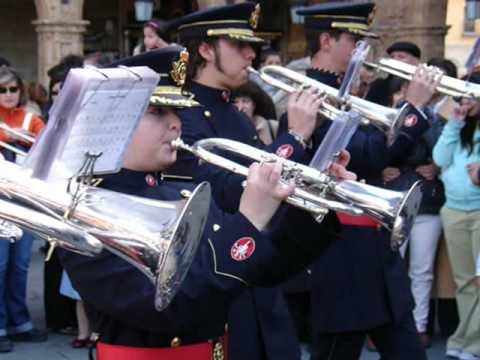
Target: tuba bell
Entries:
(318, 192)
(386, 119)
(160, 238)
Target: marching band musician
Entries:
(121, 299)
(221, 43)
(368, 287)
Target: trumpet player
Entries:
(221, 43)
(368, 288)
(236, 250)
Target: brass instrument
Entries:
(318, 192)
(9, 231)
(448, 85)
(387, 119)
(158, 237)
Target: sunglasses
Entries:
(11, 89)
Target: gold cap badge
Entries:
(255, 17)
(179, 69)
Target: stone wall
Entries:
(422, 22)
(18, 38)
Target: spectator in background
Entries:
(37, 99)
(59, 310)
(15, 322)
(58, 74)
(4, 62)
(154, 36)
(402, 51)
(456, 152)
(268, 56)
(259, 108)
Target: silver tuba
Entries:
(388, 120)
(448, 85)
(158, 237)
(318, 192)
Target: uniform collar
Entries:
(327, 77)
(135, 179)
(206, 95)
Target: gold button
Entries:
(186, 193)
(176, 342)
(207, 113)
(216, 227)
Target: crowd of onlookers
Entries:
(447, 160)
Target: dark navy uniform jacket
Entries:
(121, 299)
(259, 318)
(359, 283)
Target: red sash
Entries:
(202, 351)
(362, 221)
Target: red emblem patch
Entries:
(285, 151)
(411, 120)
(242, 249)
(150, 180)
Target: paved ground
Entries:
(58, 346)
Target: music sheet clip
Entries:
(83, 178)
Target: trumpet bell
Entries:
(395, 210)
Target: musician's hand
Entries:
(473, 170)
(303, 106)
(390, 174)
(427, 171)
(263, 193)
(338, 168)
(422, 87)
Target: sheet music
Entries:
(104, 125)
(97, 111)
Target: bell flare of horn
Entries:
(185, 239)
(159, 238)
(395, 210)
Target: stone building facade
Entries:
(38, 33)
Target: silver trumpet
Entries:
(318, 192)
(387, 119)
(448, 85)
(158, 237)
